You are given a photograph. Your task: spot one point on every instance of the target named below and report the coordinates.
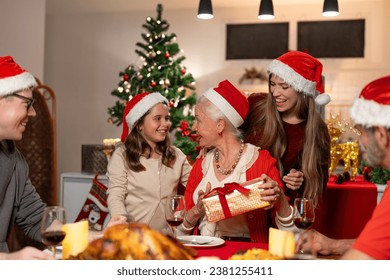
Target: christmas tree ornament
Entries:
(186, 110)
(183, 71)
(126, 77)
(167, 55)
(152, 83)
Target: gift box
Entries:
(233, 199)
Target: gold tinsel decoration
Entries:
(347, 152)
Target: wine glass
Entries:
(175, 211)
(303, 214)
(51, 227)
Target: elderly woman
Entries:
(218, 114)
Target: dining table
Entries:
(229, 248)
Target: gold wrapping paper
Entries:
(238, 203)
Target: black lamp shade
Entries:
(331, 8)
(205, 10)
(266, 10)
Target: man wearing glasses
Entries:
(19, 202)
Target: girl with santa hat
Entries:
(145, 168)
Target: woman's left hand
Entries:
(271, 191)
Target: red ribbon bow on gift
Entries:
(223, 191)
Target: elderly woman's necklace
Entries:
(229, 171)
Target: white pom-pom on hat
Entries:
(322, 99)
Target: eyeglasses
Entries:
(30, 101)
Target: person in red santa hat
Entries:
(20, 204)
(219, 112)
(371, 114)
(286, 123)
(145, 168)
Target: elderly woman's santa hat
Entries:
(137, 107)
(302, 72)
(13, 78)
(227, 98)
(372, 107)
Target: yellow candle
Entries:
(76, 239)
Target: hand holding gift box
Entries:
(233, 199)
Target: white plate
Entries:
(200, 241)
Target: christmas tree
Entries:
(160, 71)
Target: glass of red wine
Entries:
(53, 219)
(175, 211)
(303, 215)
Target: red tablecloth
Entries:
(345, 208)
(228, 249)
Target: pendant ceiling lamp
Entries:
(266, 10)
(205, 10)
(331, 8)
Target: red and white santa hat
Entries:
(372, 107)
(302, 72)
(233, 103)
(13, 78)
(137, 107)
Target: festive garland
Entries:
(377, 175)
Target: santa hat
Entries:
(137, 107)
(302, 72)
(233, 104)
(13, 78)
(372, 107)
